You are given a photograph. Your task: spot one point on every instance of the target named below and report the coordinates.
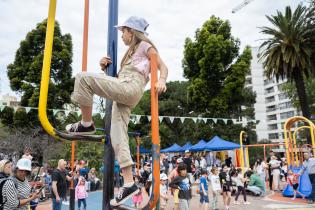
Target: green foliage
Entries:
(291, 91)
(216, 83)
(289, 50)
(25, 72)
(7, 115)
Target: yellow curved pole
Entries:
(288, 135)
(295, 145)
(242, 150)
(42, 106)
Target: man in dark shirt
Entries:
(59, 184)
(188, 161)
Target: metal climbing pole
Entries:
(108, 172)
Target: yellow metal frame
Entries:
(289, 140)
(42, 106)
(294, 140)
(242, 149)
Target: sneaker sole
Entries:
(126, 198)
(81, 133)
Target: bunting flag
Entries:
(137, 118)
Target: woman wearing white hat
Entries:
(16, 191)
(126, 91)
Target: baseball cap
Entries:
(24, 164)
(187, 151)
(163, 176)
(136, 23)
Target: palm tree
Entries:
(288, 52)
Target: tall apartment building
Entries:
(272, 106)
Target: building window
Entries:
(271, 108)
(248, 81)
(269, 90)
(270, 99)
(285, 105)
(283, 96)
(273, 127)
(272, 117)
(286, 115)
(281, 86)
(5, 103)
(273, 136)
(268, 81)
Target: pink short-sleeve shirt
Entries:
(140, 59)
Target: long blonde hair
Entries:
(137, 37)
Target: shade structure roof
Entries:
(187, 146)
(218, 144)
(198, 147)
(174, 148)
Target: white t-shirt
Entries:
(215, 182)
(260, 169)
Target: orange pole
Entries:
(85, 35)
(155, 136)
(138, 155)
(265, 159)
(72, 162)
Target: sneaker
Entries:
(78, 128)
(246, 203)
(293, 198)
(66, 203)
(124, 194)
(236, 202)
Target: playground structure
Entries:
(108, 187)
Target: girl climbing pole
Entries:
(126, 91)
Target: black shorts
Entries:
(295, 186)
(226, 188)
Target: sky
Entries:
(171, 22)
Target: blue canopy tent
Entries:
(198, 147)
(144, 150)
(174, 148)
(187, 146)
(218, 144)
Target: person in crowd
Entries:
(203, 190)
(27, 154)
(5, 168)
(164, 196)
(284, 168)
(239, 181)
(225, 181)
(95, 182)
(16, 189)
(84, 170)
(270, 176)
(117, 175)
(81, 193)
(203, 163)
(293, 181)
(166, 165)
(215, 186)
(260, 168)
(188, 161)
(183, 184)
(171, 177)
(275, 171)
(255, 184)
(146, 172)
(309, 166)
(228, 162)
(59, 185)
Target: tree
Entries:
(216, 72)
(25, 72)
(290, 90)
(288, 51)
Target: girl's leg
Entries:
(86, 112)
(301, 194)
(84, 203)
(79, 203)
(244, 194)
(228, 199)
(238, 193)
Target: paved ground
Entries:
(272, 201)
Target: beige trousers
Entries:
(125, 91)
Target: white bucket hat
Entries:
(24, 164)
(136, 23)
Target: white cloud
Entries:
(171, 21)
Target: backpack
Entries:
(3, 180)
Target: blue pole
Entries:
(109, 155)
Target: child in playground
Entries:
(81, 193)
(126, 91)
(293, 181)
(163, 191)
(237, 178)
(182, 183)
(216, 188)
(203, 190)
(225, 182)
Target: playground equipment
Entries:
(108, 188)
(290, 144)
